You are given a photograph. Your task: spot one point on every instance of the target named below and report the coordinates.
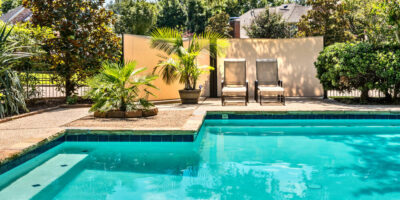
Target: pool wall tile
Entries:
(103, 138)
(299, 115)
(92, 138)
(166, 138)
(145, 138)
(114, 138)
(134, 138)
(124, 138)
(156, 138)
(177, 138)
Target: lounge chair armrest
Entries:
(280, 83)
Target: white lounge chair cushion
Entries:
(271, 90)
(234, 91)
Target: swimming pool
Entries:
(230, 159)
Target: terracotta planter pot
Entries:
(134, 114)
(189, 96)
(115, 114)
(150, 112)
(100, 114)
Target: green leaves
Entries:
(183, 64)
(327, 18)
(360, 66)
(268, 25)
(117, 87)
(83, 41)
(219, 23)
(134, 17)
(13, 96)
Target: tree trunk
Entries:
(69, 86)
(364, 95)
(396, 93)
(325, 94)
(388, 96)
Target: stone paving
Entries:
(22, 134)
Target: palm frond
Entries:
(167, 40)
(168, 70)
(117, 86)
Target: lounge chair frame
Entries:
(257, 93)
(223, 83)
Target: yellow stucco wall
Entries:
(137, 48)
(295, 57)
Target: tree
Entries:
(392, 8)
(83, 39)
(172, 14)
(219, 23)
(235, 8)
(325, 19)
(268, 25)
(368, 20)
(197, 16)
(7, 5)
(135, 17)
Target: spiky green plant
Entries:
(183, 65)
(12, 97)
(118, 86)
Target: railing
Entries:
(42, 84)
(355, 93)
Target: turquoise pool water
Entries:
(231, 159)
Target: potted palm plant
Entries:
(115, 91)
(182, 64)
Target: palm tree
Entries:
(183, 64)
(117, 87)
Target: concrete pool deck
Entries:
(21, 135)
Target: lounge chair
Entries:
(234, 84)
(267, 82)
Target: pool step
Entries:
(39, 178)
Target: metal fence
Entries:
(355, 93)
(43, 84)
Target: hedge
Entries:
(361, 66)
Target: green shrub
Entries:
(361, 66)
(118, 87)
(71, 100)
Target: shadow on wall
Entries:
(295, 57)
(137, 48)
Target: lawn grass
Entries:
(43, 78)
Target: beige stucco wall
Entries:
(137, 48)
(295, 57)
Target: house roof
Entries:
(290, 13)
(18, 14)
